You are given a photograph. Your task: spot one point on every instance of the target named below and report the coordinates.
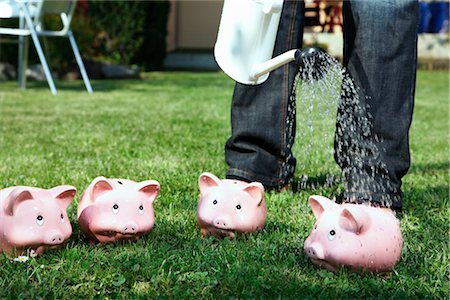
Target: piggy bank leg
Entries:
(217, 233)
(204, 232)
(34, 253)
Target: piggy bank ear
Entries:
(319, 204)
(207, 181)
(354, 219)
(100, 185)
(15, 197)
(256, 191)
(64, 193)
(150, 188)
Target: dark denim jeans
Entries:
(380, 42)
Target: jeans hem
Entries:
(392, 201)
(249, 176)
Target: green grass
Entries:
(171, 127)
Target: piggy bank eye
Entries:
(214, 203)
(238, 207)
(40, 220)
(315, 227)
(331, 235)
(141, 209)
(62, 218)
(115, 209)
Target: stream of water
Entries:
(333, 124)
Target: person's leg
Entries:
(263, 116)
(380, 44)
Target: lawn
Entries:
(171, 127)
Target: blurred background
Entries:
(122, 39)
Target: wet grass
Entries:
(171, 127)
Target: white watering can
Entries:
(246, 38)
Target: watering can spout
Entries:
(308, 54)
(311, 57)
(315, 60)
(315, 54)
(274, 63)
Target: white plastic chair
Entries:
(30, 14)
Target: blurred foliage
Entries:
(130, 32)
(119, 32)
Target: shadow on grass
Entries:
(429, 168)
(319, 183)
(163, 80)
(78, 86)
(425, 200)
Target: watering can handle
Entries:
(271, 7)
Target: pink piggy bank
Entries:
(112, 210)
(33, 219)
(358, 236)
(230, 206)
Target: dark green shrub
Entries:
(119, 27)
(152, 52)
(120, 32)
(129, 32)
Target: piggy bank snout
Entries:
(314, 250)
(129, 228)
(222, 222)
(54, 238)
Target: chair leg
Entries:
(22, 64)
(73, 43)
(23, 47)
(39, 51)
